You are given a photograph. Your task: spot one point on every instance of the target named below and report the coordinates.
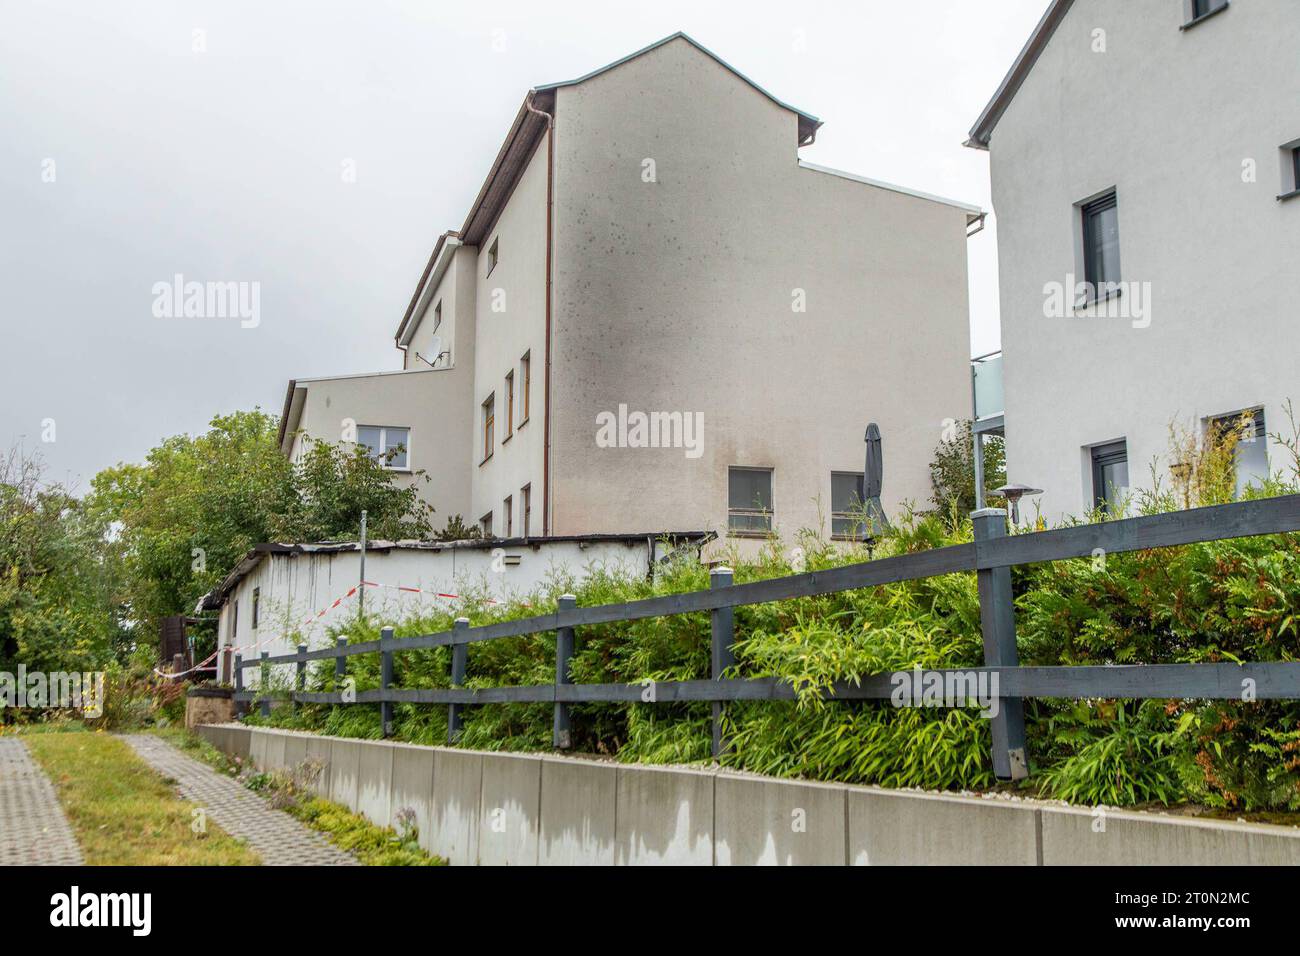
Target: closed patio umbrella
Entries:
(873, 476)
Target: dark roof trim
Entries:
(807, 122)
(983, 129)
(284, 413)
(217, 596)
(419, 286)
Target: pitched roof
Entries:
(983, 128)
(526, 132)
(807, 122)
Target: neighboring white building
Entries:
(1155, 145)
(648, 241)
(283, 594)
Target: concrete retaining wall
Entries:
(516, 809)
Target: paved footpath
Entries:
(278, 838)
(33, 829)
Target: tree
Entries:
(56, 579)
(952, 472)
(198, 504)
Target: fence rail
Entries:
(990, 557)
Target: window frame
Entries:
(1292, 166)
(494, 255)
(257, 600)
(485, 525)
(1193, 18)
(510, 406)
(526, 506)
(861, 535)
(508, 510)
(526, 374)
(1229, 421)
(489, 407)
(437, 320)
(1099, 288)
(1101, 456)
(750, 513)
(382, 451)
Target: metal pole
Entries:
(361, 583)
(562, 736)
(723, 621)
(978, 439)
(386, 680)
(998, 626)
(459, 662)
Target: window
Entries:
(492, 257)
(1110, 476)
(1198, 10)
(437, 321)
(1290, 171)
(234, 620)
(257, 599)
(526, 496)
(1101, 244)
(848, 517)
(749, 500)
(485, 525)
(508, 511)
(489, 425)
(388, 444)
(526, 381)
(1250, 453)
(510, 403)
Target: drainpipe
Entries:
(546, 415)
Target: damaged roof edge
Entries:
(982, 131)
(215, 598)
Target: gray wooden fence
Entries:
(991, 556)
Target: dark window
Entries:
(493, 256)
(1101, 243)
(508, 509)
(1109, 476)
(257, 599)
(234, 620)
(1295, 168)
(749, 500)
(526, 492)
(1250, 452)
(848, 517)
(1203, 8)
(485, 525)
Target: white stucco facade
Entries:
(1191, 129)
(649, 239)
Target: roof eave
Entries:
(982, 131)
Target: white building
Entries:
(1152, 145)
(657, 315)
(281, 595)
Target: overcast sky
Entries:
(128, 156)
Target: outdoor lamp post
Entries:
(1013, 494)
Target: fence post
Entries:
(300, 675)
(385, 681)
(264, 684)
(724, 632)
(562, 737)
(459, 660)
(240, 706)
(998, 627)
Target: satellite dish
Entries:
(435, 349)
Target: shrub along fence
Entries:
(991, 556)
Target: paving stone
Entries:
(278, 838)
(33, 829)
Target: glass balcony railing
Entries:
(986, 371)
